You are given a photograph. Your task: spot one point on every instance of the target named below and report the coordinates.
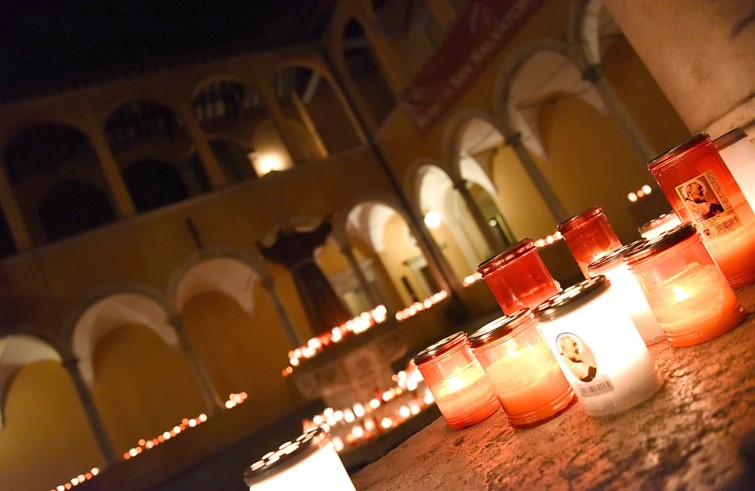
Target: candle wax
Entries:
(465, 397)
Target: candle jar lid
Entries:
(288, 454)
(656, 222)
(495, 262)
(613, 258)
(501, 327)
(730, 138)
(670, 155)
(572, 298)
(440, 348)
(661, 243)
(579, 219)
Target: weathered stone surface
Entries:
(698, 432)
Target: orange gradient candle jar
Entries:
(458, 383)
(702, 190)
(524, 374)
(628, 292)
(518, 277)
(598, 348)
(684, 287)
(589, 236)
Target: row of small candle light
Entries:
(354, 426)
(148, 444)
(643, 192)
(684, 275)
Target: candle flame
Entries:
(681, 293)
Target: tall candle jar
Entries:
(520, 366)
(738, 153)
(684, 287)
(589, 236)
(308, 462)
(461, 389)
(598, 348)
(701, 189)
(628, 291)
(518, 277)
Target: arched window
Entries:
(72, 207)
(223, 101)
(153, 184)
(137, 121)
(233, 160)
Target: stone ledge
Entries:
(698, 432)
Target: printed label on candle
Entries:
(601, 385)
(708, 205)
(577, 356)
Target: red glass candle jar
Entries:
(701, 189)
(518, 277)
(589, 236)
(684, 287)
(458, 383)
(525, 376)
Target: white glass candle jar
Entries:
(458, 383)
(524, 374)
(598, 348)
(628, 292)
(685, 288)
(738, 154)
(660, 225)
(309, 462)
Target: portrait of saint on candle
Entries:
(577, 356)
(700, 199)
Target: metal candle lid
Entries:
(677, 150)
(443, 346)
(501, 327)
(507, 255)
(662, 242)
(288, 454)
(579, 219)
(572, 298)
(666, 217)
(614, 257)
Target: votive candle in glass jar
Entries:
(589, 236)
(738, 153)
(309, 462)
(701, 189)
(628, 291)
(520, 366)
(657, 226)
(518, 277)
(684, 287)
(458, 383)
(598, 348)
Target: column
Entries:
(12, 212)
(301, 109)
(364, 284)
(209, 394)
(123, 202)
(288, 328)
(554, 204)
(494, 242)
(701, 55)
(206, 155)
(594, 75)
(93, 416)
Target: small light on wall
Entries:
(266, 162)
(432, 219)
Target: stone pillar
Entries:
(301, 109)
(201, 145)
(347, 251)
(594, 75)
(208, 392)
(700, 53)
(492, 239)
(384, 55)
(93, 416)
(12, 212)
(554, 204)
(293, 337)
(123, 202)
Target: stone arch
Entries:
(111, 309)
(17, 350)
(453, 133)
(228, 271)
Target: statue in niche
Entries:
(295, 250)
